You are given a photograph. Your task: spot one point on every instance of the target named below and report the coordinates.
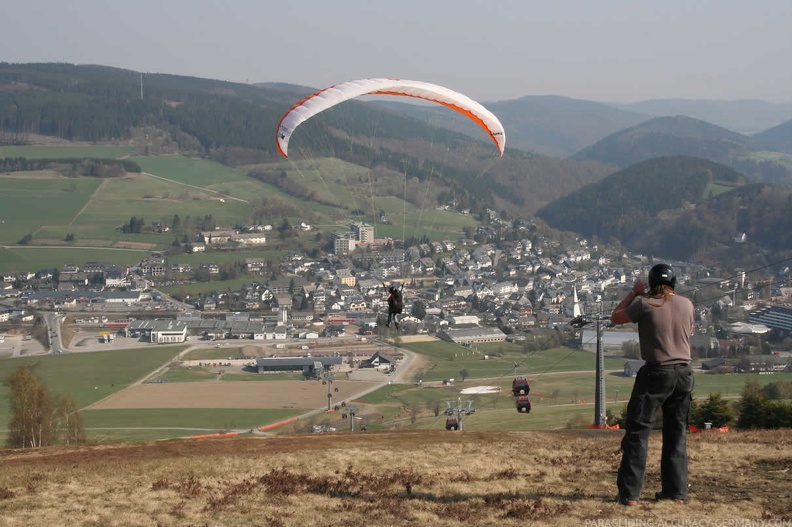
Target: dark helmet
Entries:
(662, 274)
(392, 289)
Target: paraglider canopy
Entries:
(324, 99)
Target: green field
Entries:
(27, 205)
(191, 171)
(447, 360)
(353, 187)
(212, 353)
(163, 423)
(576, 393)
(50, 207)
(89, 377)
(194, 374)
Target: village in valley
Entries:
(506, 283)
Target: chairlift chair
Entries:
(520, 386)
(523, 404)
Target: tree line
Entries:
(763, 407)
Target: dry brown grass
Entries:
(387, 478)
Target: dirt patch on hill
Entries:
(220, 394)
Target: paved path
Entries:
(224, 196)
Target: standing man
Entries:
(665, 323)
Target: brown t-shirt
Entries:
(664, 328)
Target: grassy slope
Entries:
(562, 478)
(89, 377)
(26, 205)
(49, 206)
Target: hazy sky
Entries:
(609, 50)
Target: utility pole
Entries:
(600, 416)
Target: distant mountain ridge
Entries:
(234, 124)
(745, 116)
(561, 126)
(547, 125)
(685, 136)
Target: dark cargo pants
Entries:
(669, 388)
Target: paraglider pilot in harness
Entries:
(395, 304)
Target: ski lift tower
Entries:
(350, 411)
(455, 410)
(600, 417)
(327, 378)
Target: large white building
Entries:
(344, 244)
(364, 233)
(159, 331)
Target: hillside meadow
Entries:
(49, 207)
(503, 468)
(558, 478)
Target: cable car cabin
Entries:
(452, 423)
(523, 404)
(520, 386)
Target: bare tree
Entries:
(631, 350)
(30, 405)
(66, 420)
(37, 419)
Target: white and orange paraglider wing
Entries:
(324, 99)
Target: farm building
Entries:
(309, 366)
(379, 361)
(631, 367)
(472, 335)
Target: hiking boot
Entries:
(659, 496)
(626, 501)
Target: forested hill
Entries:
(235, 124)
(778, 138)
(684, 136)
(635, 201)
(97, 103)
